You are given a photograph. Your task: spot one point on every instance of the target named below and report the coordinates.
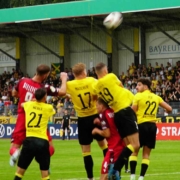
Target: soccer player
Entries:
(66, 124)
(25, 90)
(109, 131)
(81, 92)
(145, 105)
(111, 90)
(36, 143)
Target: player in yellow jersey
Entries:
(81, 92)
(110, 89)
(36, 142)
(145, 105)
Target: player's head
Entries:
(43, 71)
(66, 112)
(79, 70)
(143, 84)
(41, 94)
(101, 105)
(101, 69)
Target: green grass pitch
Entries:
(67, 162)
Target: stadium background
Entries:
(66, 33)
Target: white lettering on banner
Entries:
(54, 132)
(158, 45)
(170, 131)
(9, 130)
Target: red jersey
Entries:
(26, 89)
(107, 121)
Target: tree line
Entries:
(21, 3)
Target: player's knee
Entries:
(51, 150)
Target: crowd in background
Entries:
(165, 83)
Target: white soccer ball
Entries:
(113, 20)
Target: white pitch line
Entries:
(156, 174)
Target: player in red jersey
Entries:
(109, 131)
(25, 90)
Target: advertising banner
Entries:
(9, 48)
(158, 45)
(168, 131)
(54, 129)
(165, 131)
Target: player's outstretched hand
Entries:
(63, 76)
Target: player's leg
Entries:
(103, 145)
(68, 131)
(63, 136)
(148, 144)
(17, 139)
(145, 162)
(25, 158)
(43, 157)
(51, 146)
(105, 167)
(126, 166)
(85, 138)
(125, 121)
(88, 161)
(133, 164)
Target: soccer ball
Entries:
(113, 20)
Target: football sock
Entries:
(133, 164)
(18, 176)
(127, 151)
(63, 135)
(46, 178)
(144, 166)
(126, 164)
(88, 163)
(68, 135)
(105, 149)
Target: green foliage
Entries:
(21, 3)
(4, 4)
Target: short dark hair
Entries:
(40, 93)
(146, 82)
(101, 101)
(42, 69)
(99, 67)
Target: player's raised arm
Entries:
(14, 93)
(166, 106)
(62, 90)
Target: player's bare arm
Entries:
(105, 133)
(134, 107)
(166, 106)
(15, 93)
(62, 90)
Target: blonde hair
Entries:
(78, 69)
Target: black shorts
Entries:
(35, 148)
(85, 127)
(65, 126)
(147, 134)
(126, 122)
